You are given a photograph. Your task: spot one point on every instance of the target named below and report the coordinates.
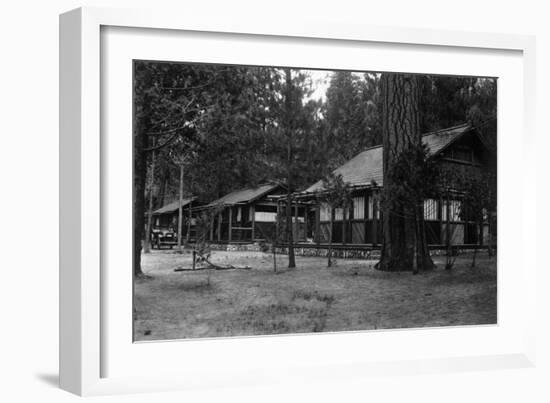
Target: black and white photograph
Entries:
(272, 200)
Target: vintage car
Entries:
(163, 237)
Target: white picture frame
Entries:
(83, 295)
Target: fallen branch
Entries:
(214, 267)
(204, 258)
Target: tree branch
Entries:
(187, 88)
(164, 144)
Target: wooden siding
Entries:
(358, 232)
(324, 235)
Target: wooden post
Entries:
(440, 218)
(318, 223)
(220, 216)
(194, 258)
(331, 226)
(481, 230)
(212, 229)
(374, 219)
(230, 224)
(180, 210)
(448, 228)
(189, 219)
(344, 225)
(305, 221)
(253, 213)
(296, 224)
(277, 222)
(239, 223)
(331, 223)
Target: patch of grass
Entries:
(308, 295)
(304, 311)
(455, 276)
(310, 298)
(141, 278)
(198, 286)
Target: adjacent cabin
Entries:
(256, 213)
(459, 147)
(166, 217)
(245, 215)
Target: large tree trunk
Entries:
(403, 240)
(189, 215)
(288, 124)
(139, 198)
(141, 129)
(147, 245)
(289, 231)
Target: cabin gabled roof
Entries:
(174, 206)
(245, 195)
(367, 166)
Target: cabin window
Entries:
(239, 214)
(461, 154)
(358, 208)
(338, 214)
(370, 207)
(430, 209)
(455, 207)
(250, 214)
(325, 212)
(298, 214)
(265, 216)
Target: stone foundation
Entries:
(339, 252)
(247, 247)
(367, 254)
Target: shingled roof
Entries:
(171, 207)
(367, 166)
(245, 195)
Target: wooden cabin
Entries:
(246, 215)
(166, 217)
(459, 147)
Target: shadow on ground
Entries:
(49, 379)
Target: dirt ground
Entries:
(311, 298)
